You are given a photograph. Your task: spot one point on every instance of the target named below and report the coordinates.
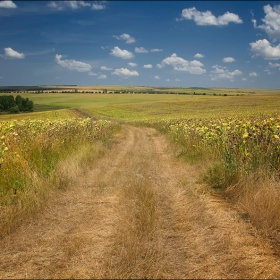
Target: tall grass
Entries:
(38, 155)
(239, 157)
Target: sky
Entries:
(234, 44)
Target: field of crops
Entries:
(241, 146)
(30, 151)
(233, 136)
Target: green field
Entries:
(139, 106)
(230, 137)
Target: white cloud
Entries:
(124, 54)
(198, 55)
(268, 72)
(228, 59)
(157, 77)
(253, 74)
(1, 77)
(220, 72)
(105, 68)
(125, 72)
(177, 80)
(271, 22)
(159, 66)
(207, 18)
(273, 65)
(156, 50)
(8, 4)
(244, 79)
(55, 6)
(98, 7)
(77, 4)
(132, 64)
(180, 64)
(102, 77)
(264, 49)
(10, 53)
(92, 74)
(141, 50)
(148, 66)
(128, 39)
(73, 64)
(74, 5)
(167, 80)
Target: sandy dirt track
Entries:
(137, 214)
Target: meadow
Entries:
(231, 135)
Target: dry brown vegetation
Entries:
(138, 212)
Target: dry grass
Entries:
(136, 252)
(30, 201)
(138, 213)
(259, 202)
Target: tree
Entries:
(19, 101)
(10, 104)
(14, 109)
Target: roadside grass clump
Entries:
(37, 156)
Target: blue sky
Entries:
(148, 43)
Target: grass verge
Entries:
(38, 157)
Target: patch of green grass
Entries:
(133, 107)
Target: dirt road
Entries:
(136, 214)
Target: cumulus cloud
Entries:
(102, 77)
(268, 72)
(141, 50)
(55, 6)
(156, 50)
(220, 72)
(264, 49)
(253, 74)
(198, 55)
(244, 79)
(180, 64)
(207, 18)
(177, 80)
(124, 54)
(167, 80)
(74, 5)
(228, 59)
(105, 68)
(128, 39)
(92, 74)
(10, 53)
(98, 7)
(273, 65)
(271, 21)
(8, 4)
(148, 66)
(132, 64)
(125, 72)
(157, 77)
(73, 64)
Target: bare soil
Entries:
(138, 213)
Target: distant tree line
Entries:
(15, 105)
